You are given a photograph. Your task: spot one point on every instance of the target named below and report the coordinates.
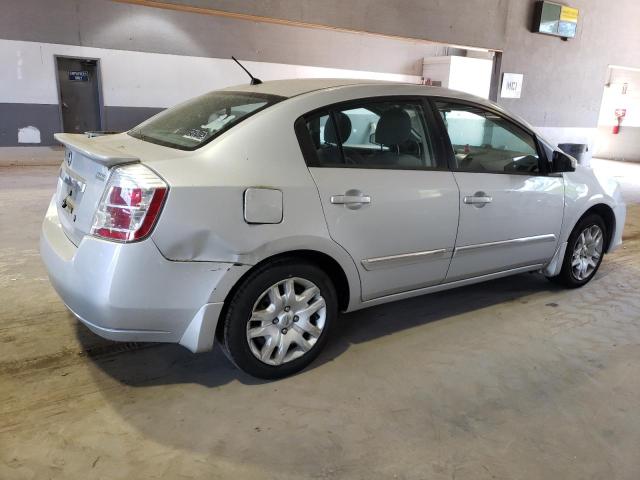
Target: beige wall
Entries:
(563, 80)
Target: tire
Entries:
(257, 319)
(571, 275)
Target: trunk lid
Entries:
(82, 179)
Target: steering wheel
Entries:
(523, 165)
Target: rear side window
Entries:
(198, 121)
(371, 134)
(486, 142)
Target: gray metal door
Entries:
(78, 85)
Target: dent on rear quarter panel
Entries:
(203, 218)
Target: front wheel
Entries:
(584, 253)
(279, 319)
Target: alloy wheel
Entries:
(587, 252)
(286, 321)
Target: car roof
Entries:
(299, 86)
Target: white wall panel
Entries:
(139, 79)
(471, 75)
(466, 74)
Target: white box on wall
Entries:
(466, 74)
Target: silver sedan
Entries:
(251, 216)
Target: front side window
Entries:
(486, 142)
(373, 134)
(194, 123)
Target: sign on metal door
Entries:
(79, 76)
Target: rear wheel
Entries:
(584, 253)
(279, 318)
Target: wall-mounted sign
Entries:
(568, 23)
(555, 19)
(79, 76)
(511, 85)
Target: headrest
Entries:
(394, 127)
(344, 128)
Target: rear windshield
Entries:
(198, 121)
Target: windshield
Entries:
(194, 123)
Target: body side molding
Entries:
(550, 237)
(402, 259)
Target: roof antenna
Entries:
(254, 80)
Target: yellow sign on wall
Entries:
(569, 14)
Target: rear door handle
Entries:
(479, 199)
(352, 199)
(474, 200)
(349, 199)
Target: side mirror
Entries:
(562, 163)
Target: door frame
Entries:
(410, 259)
(98, 78)
(431, 125)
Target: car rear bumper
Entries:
(130, 292)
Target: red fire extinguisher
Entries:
(619, 113)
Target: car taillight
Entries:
(130, 204)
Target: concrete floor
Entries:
(512, 379)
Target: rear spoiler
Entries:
(88, 147)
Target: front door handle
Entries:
(352, 199)
(479, 199)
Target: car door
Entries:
(388, 197)
(511, 209)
